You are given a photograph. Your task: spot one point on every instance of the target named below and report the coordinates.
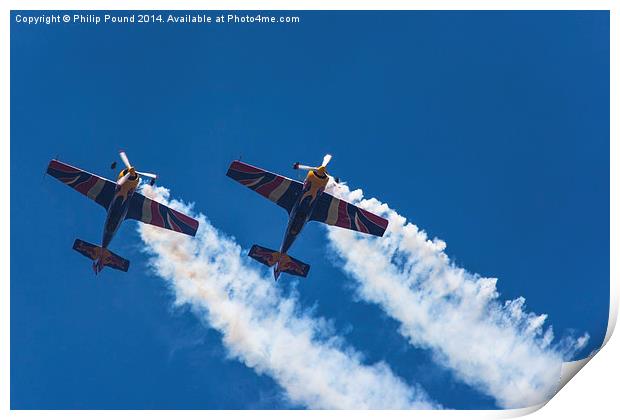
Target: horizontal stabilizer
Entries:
(264, 255)
(283, 262)
(102, 256)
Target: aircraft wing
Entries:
(336, 212)
(281, 190)
(92, 186)
(149, 211)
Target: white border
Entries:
(593, 393)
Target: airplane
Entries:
(304, 202)
(121, 201)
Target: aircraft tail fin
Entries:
(101, 257)
(283, 263)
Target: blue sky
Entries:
(490, 130)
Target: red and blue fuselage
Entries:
(117, 211)
(313, 187)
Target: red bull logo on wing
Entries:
(97, 253)
(289, 266)
(86, 249)
(266, 256)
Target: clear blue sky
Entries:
(489, 130)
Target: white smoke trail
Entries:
(495, 346)
(264, 329)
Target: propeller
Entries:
(326, 159)
(125, 160)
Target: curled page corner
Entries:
(570, 369)
(512, 413)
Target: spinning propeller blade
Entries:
(303, 167)
(147, 174)
(124, 159)
(124, 178)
